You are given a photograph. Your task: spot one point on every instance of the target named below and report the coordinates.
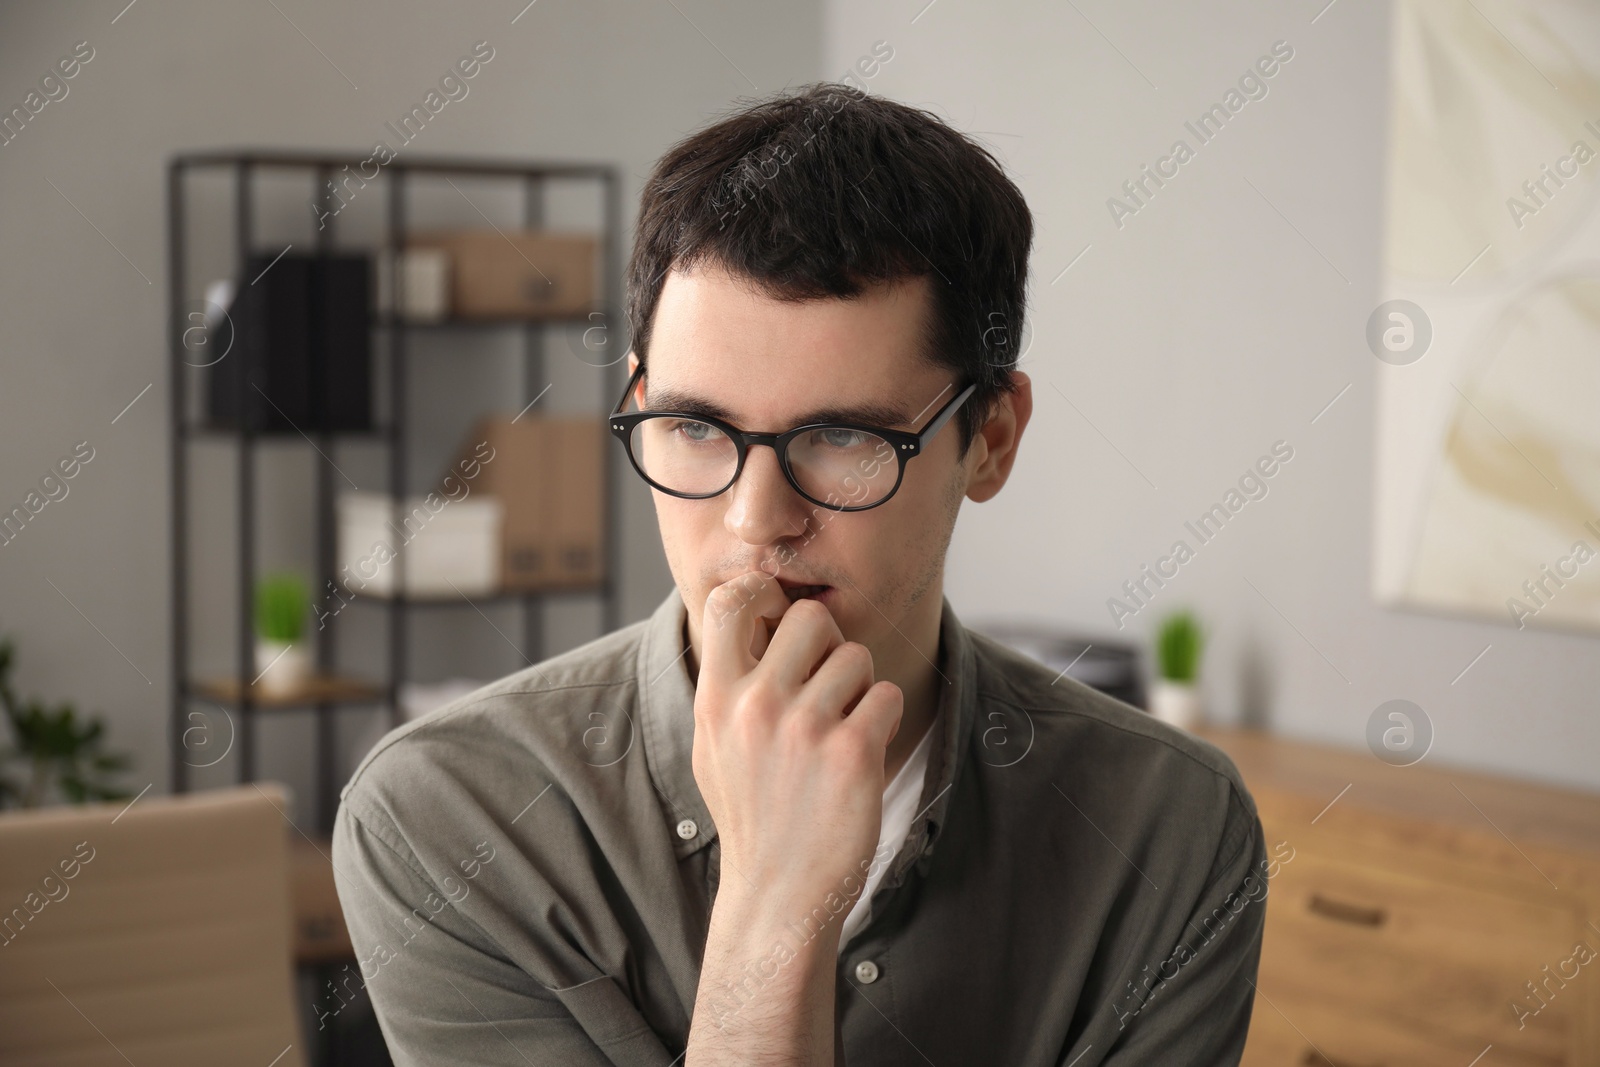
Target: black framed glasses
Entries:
(841, 466)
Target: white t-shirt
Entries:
(900, 798)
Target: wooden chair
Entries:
(151, 933)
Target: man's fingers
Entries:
(878, 714)
(729, 625)
(842, 679)
(807, 636)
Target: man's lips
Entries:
(801, 590)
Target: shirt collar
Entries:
(666, 712)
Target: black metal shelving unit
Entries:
(390, 347)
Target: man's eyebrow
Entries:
(669, 399)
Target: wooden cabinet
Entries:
(1426, 916)
(320, 934)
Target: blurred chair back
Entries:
(151, 933)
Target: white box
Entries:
(424, 283)
(449, 549)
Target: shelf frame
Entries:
(390, 337)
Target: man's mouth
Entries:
(799, 591)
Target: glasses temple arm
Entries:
(944, 415)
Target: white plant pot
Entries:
(284, 668)
(1177, 703)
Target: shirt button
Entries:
(687, 829)
(867, 972)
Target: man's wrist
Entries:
(763, 951)
(798, 918)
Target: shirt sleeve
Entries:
(442, 991)
(1192, 1005)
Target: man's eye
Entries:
(694, 432)
(839, 437)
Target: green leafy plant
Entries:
(281, 606)
(59, 752)
(1178, 645)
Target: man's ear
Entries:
(996, 442)
(638, 387)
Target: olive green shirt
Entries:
(528, 875)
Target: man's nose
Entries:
(763, 507)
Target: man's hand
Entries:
(790, 736)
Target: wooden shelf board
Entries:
(491, 597)
(478, 322)
(321, 689)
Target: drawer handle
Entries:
(1357, 914)
(1312, 1058)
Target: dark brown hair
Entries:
(823, 191)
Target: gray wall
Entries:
(83, 296)
(1222, 317)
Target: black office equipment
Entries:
(1101, 663)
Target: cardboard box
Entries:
(447, 549)
(519, 273)
(549, 476)
(516, 476)
(577, 487)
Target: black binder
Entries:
(302, 329)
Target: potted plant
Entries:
(282, 661)
(60, 753)
(1175, 698)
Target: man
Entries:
(801, 814)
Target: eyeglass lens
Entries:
(832, 464)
